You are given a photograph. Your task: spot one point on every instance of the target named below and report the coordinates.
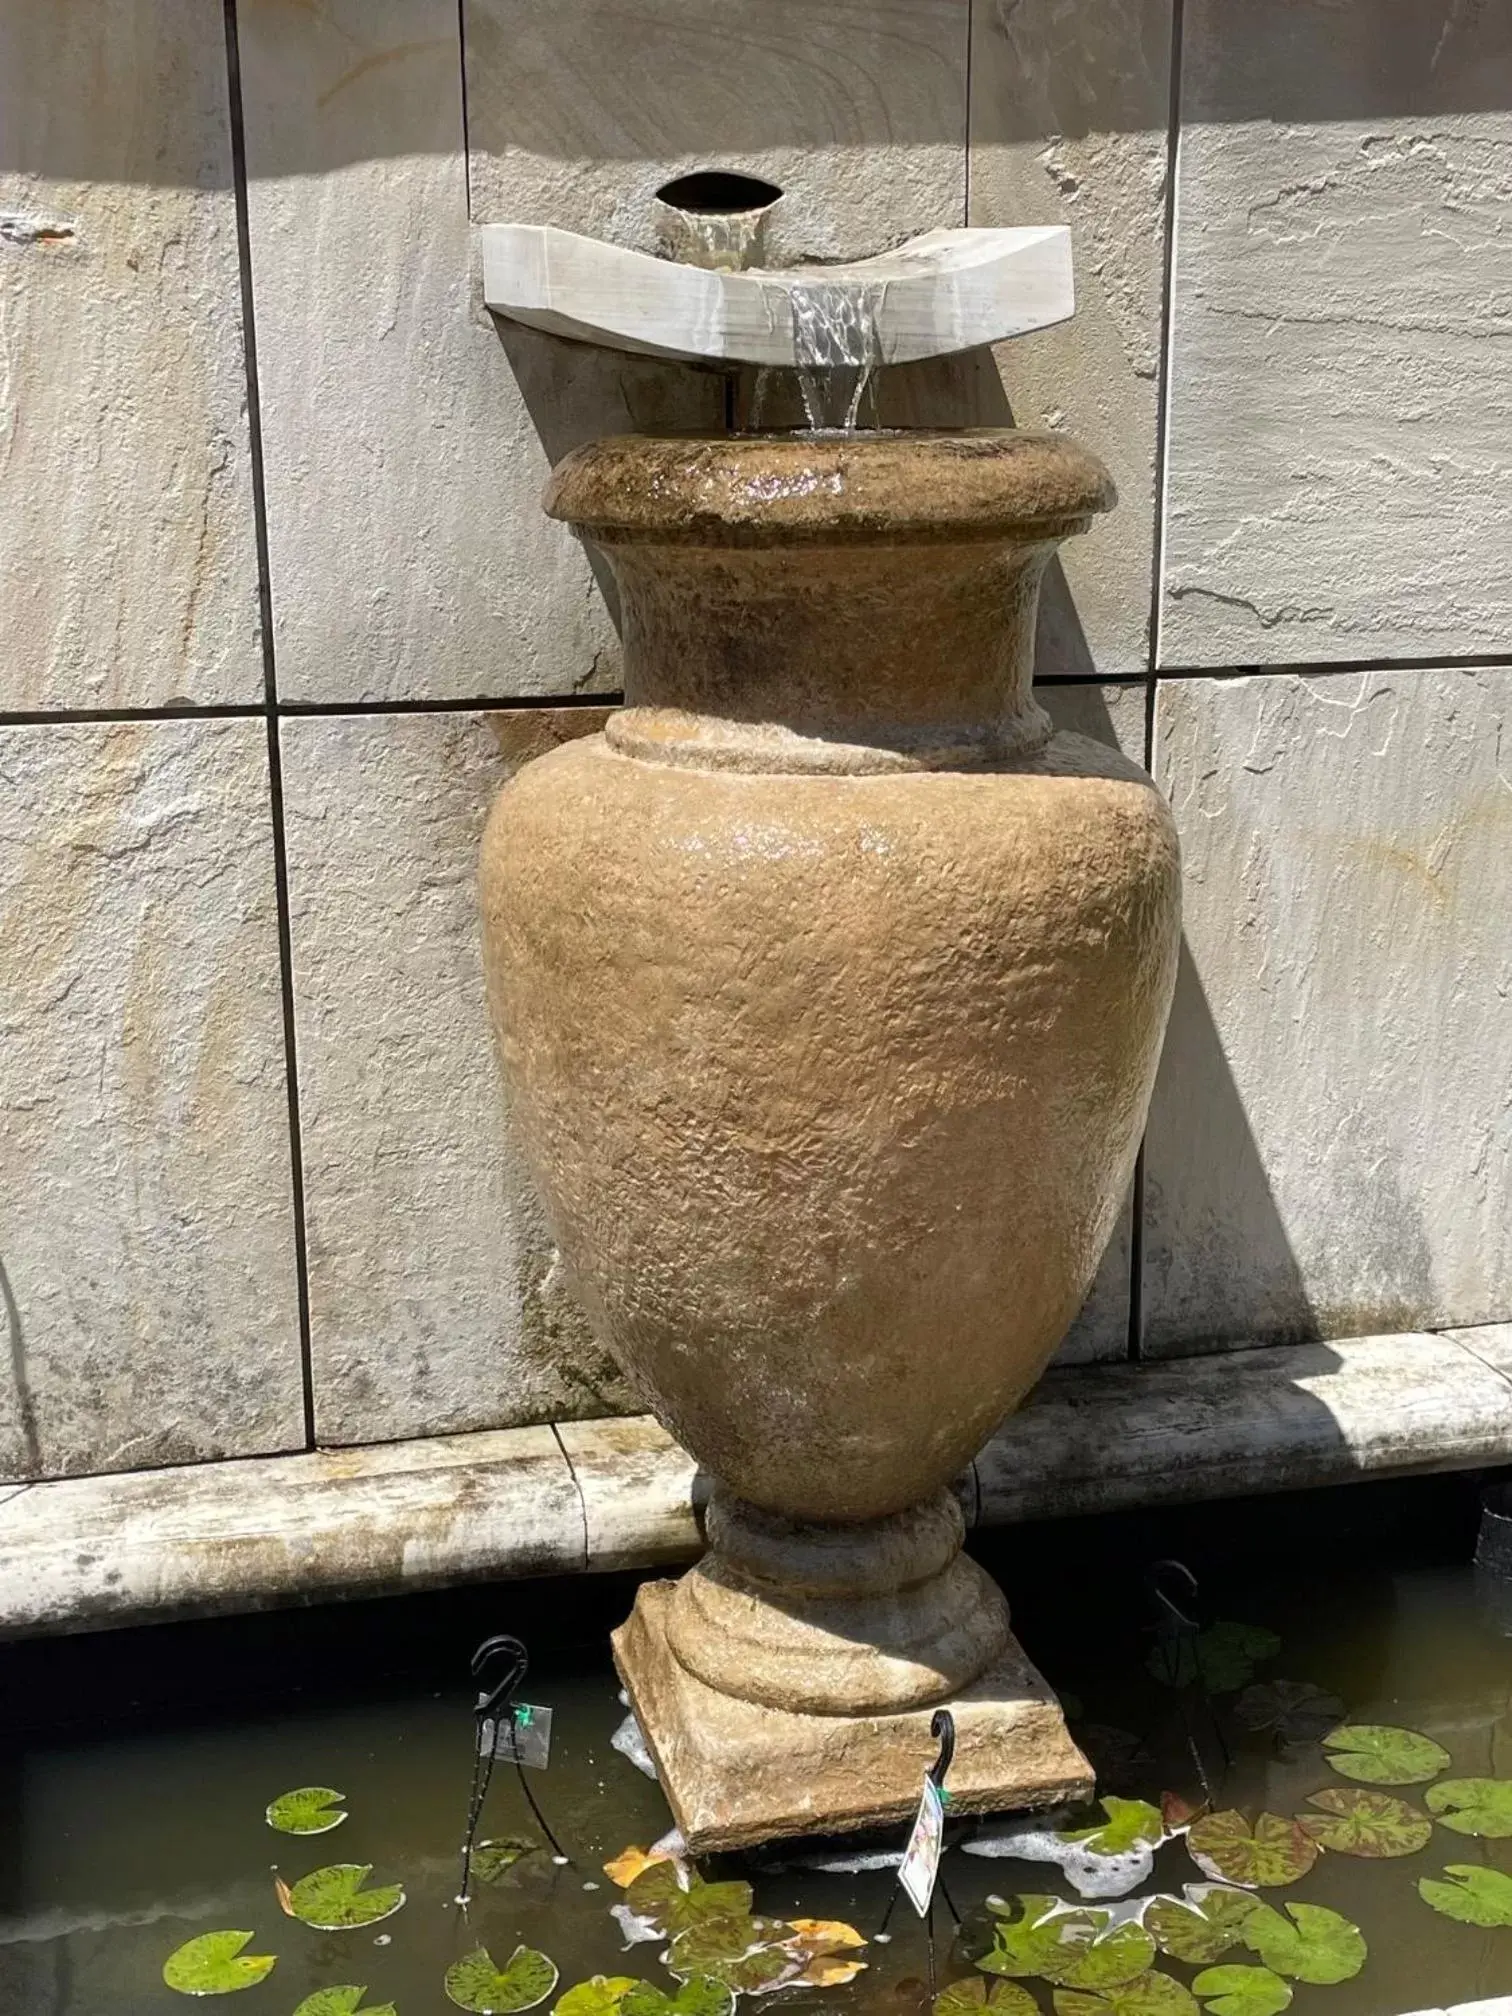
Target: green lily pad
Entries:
(1147, 1995)
(1316, 1944)
(601, 1996)
(700, 1995)
(1271, 1853)
(1130, 1823)
(214, 1964)
(1374, 1753)
(1475, 1895)
(744, 1953)
(1201, 1931)
(342, 2002)
(333, 1899)
(1242, 1991)
(1293, 1711)
(675, 1898)
(1111, 1960)
(1480, 1806)
(1222, 1658)
(974, 1996)
(308, 1809)
(474, 1983)
(1031, 1943)
(492, 1860)
(1353, 1821)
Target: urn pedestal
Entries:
(830, 985)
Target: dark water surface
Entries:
(135, 1767)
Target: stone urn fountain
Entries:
(830, 985)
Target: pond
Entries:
(137, 1769)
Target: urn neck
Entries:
(814, 603)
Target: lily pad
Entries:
(1242, 1991)
(1311, 1943)
(632, 1862)
(1222, 1658)
(1480, 1806)
(1353, 1821)
(1129, 1823)
(1266, 1856)
(492, 1860)
(1111, 1960)
(745, 1954)
(827, 1948)
(1202, 1930)
(308, 1809)
(1147, 1995)
(1375, 1753)
(214, 1964)
(974, 1997)
(342, 2002)
(1029, 1943)
(333, 1899)
(698, 1996)
(474, 1983)
(1474, 1895)
(601, 1996)
(1293, 1711)
(675, 1898)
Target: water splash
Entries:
(836, 348)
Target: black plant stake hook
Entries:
(942, 1729)
(495, 1707)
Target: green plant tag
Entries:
(1242, 1991)
(1352, 1821)
(1474, 1894)
(214, 1964)
(475, 1984)
(309, 1809)
(333, 1899)
(1375, 1753)
(1311, 1943)
(1480, 1806)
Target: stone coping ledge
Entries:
(148, 1546)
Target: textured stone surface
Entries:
(578, 112)
(127, 559)
(148, 1254)
(253, 1536)
(1341, 391)
(1069, 113)
(1328, 1151)
(436, 1301)
(405, 446)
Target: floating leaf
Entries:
(632, 1862)
(1130, 1823)
(1372, 1824)
(474, 1983)
(746, 1954)
(1374, 1753)
(1317, 1945)
(1222, 1658)
(675, 1898)
(827, 1948)
(1475, 1895)
(342, 2002)
(699, 1996)
(1113, 1959)
(973, 1997)
(1112, 1752)
(1033, 1942)
(1146, 1995)
(1294, 1711)
(214, 1964)
(492, 1860)
(1242, 1991)
(1178, 1812)
(1272, 1853)
(1473, 1806)
(308, 1809)
(333, 1899)
(1201, 1930)
(601, 1996)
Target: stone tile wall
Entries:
(278, 612)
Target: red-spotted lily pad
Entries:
(1242, 1991)
(1481, 1806)
(214, 1964)
(1311, 1943)
(333, 1899)
(1266, 1856)
(1202, 1930)
(974, 1997)
(1376, 1753)
(1474, 1894)
(1146, 1995)
(475, 1984)
(1353, 1821)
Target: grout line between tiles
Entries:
(1167, 334)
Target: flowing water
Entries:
(135, 1769)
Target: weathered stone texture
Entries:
(1340, 447)
(148, 1276)
(579, 111)
(1069, 113)
(436, 1300)
(128, 572)
(1329, 1150)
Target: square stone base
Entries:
(736, 1773)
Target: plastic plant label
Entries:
(921, 1858)
(521, 1737)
